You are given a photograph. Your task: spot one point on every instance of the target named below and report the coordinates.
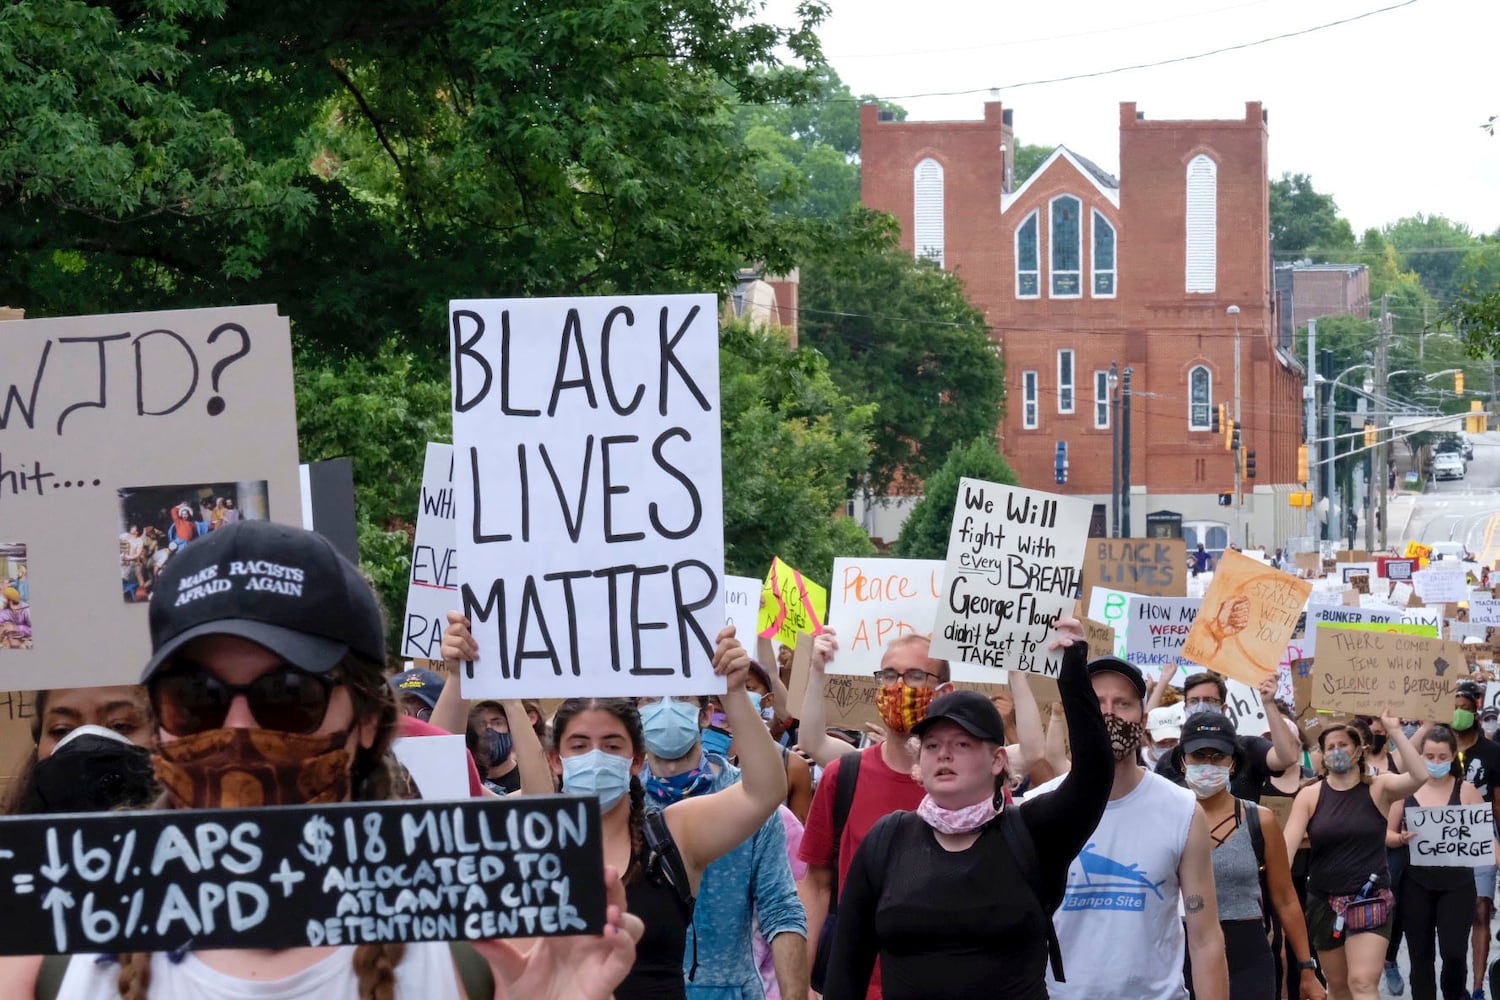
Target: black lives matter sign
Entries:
(293, 876)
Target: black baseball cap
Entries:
(1208, 730)
(286, 589)
(972, 711)
(1131, 672)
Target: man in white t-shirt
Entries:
(1119, 926)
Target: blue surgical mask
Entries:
(671, 727)
(755, 698)
(1193, 708)
(716, 741)
(1439, 770)
(1409, 729)
(1339, 761)
(597, 773)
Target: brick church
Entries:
(1081, 274)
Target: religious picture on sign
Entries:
(1249, 614)
(790, 605)
(1013, 569)
(15, 597)
(157, 522)
(432, 589)
(588, 494)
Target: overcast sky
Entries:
(1383, 113)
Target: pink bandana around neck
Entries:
(957, 821)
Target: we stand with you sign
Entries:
(1012, 570)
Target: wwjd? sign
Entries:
(294, 876)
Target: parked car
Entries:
(1448, 466)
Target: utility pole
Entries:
(1366, 495)
(1125, 454)
(1114, 453)
(1310, 426)
(1333, 526)
(1382, 448)
(1239, 472)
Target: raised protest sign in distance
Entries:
(791, 604)
(1154, 566)
(1339, 614)
(122, 439)
(1111, 608)
(1249, 615)
(1461, 836)
(1159, 628)
(589, 494)
(742, 604)
(1484, 612)
(432, 589)
(1372, 673)
(1396, 569)
(1012, 570)
(1441, 586)
(297, 876)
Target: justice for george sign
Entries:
(1460, 836)
(353, 873)
(432, 591)
(588, 486)
(1012, 570)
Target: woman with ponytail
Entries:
(264, 697)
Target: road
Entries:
(1463, 510)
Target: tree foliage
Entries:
(1027, 160)
(925, 533)
(1434, 247)
(1305, 223)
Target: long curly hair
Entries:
(630, 717)
(376, 776)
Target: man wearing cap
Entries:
(417, 692)
(1478, 760)
(1163, 730)
(1150, 851)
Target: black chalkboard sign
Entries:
(290, 876)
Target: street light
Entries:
(1239, 499)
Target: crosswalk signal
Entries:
(1302, 463)
(1458, 383)
(1226, 499)
(1250, 463)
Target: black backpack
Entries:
(664, 866)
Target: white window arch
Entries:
(1104, 257)
(1200, 398)
(1065, 241)
(1202, 224)
(1028, 259)
(927, 228)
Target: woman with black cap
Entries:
(1245, 836)
(938, 896)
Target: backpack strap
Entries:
(664, 864)
(843, 801)
(50, 976)
(473, 970)
(1251, 812)
(1023, 851)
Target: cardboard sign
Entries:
(790, 604)
(589, 494)
(1249, 615)
(1159, 628)
(1459, 631)
(1111, 608)
(299, 876)
(1012, 570)
(17, 709)
(432, 589)
(1372, 673)
(1099, 636)
(1461, 836)
(1302, 670)
(1156, 566)
(741, 603)
(1441, 586)
(122, 439)
(848, 699)
(1309, 562)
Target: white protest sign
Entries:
(124, 438)
(1159, 628)
(1484, 612)
(1245, 708)
(1401, 594)
(589, 494)
(436, 764)
(1112, 608)
(1461, 836)
(1441, 586)
(1349, 570)
(1014, 565)
(1344, 614)
(1459, 631)
(742, 604)
(432, 588)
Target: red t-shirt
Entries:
(410, 725)
(879, 790)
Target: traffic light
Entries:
(1228, 426)
(1235, 437)
(1250, 463)
(1302, 463)
(1372, 436)
(1458, 383)
(1062, 462)
(1215, 423)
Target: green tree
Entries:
(1305, 223)
(1434, 247)
(792, 441)
(900, 332)
(1027, 160)
(925, 533)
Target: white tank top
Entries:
(426, 970)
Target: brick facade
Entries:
(1140, 317)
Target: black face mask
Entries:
(500, 746)
(91, 774)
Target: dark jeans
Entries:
(1397, 861)
(1449, 913)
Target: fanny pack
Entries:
(1363, 913)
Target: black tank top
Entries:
(1347, 836)
(1439, 877)
(657, 973)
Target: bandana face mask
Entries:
(902, 706)
(238, 768)
(1124, 737)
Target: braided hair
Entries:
(630, 717)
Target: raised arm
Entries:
(1285, 750)
(1163, 681)
(1200, 906)
(1029, 733)
(1298, 818)
(812, 732)
(531, 758)
(709, 826)
(1389, 787)
(1057, 744)
(781, 702)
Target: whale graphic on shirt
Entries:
(1103, 871)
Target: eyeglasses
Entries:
(189, 699)
(1211, 702)
(1208, 757)
(915, 677)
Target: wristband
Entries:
(1307, 966)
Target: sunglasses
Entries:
(188, 699)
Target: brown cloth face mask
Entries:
(239, 768)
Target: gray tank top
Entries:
(1237, 875)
